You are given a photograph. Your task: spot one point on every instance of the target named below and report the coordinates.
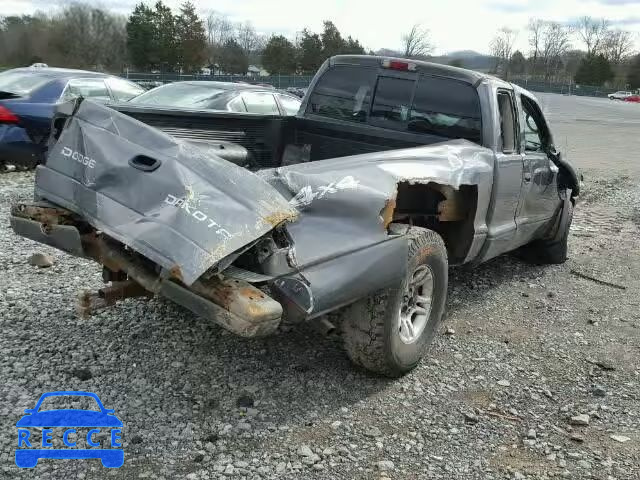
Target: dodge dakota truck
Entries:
(392, 171)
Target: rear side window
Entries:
(260, 102)
(93, 88)
(123, 90)
(508, 135)
(289, 104)
(343, 93)
(236, 105)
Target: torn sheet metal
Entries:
(341, 242)
(176, 205)
(187, 209)
(342, 200)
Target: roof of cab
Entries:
(469, 76)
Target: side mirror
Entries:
(554, 153)
(109, 411)
(30, 410)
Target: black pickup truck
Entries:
(392, 171)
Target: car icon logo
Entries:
(40, 428)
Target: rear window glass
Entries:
(21, 83)
(446, 107)
(392, 100)
(343, 93)
(184, 95)
(439, 106)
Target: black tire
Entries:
(551, 252)
(371, 326)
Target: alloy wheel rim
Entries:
(416, 304)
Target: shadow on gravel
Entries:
(291, 378)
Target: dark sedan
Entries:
(230, 97)
(27, 100)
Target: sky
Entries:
(453, 24)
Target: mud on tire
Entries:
(371, 327)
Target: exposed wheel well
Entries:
(440, 208)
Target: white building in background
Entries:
(255, 71)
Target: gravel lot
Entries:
(522, 350)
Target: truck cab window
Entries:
(446, 107)
(392, 101)
(508, 132)
(343, 93)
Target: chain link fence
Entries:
(563, 88)
(278, 81)
(301, 81)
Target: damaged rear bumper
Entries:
(231, 303)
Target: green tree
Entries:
(192, 38)
(233, 59)
(594, 70)
(353, 47)
(310, 55)
(457, 62)
(140, 36)
(517, 63)
(165, 51)
(279, 56)
(633, 77)
(332, 41)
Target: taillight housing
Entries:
(7, 116)
(399, 65)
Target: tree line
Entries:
(185, 42)
(153, 37)
(78, 36)
(606, 55)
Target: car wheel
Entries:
(548, 252)
(389, 331)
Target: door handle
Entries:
(144, 163)
(527, 177)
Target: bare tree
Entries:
(502, 48)
(556, 41)
(247, 37)
(617, 45)
(535, 27)
(592, 31)
(219, 29)
(416, 43)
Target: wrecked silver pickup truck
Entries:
(392, 171)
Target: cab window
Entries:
(343, 93)
(508, 131)
(392, 101)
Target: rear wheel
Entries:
(389, 331)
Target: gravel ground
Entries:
(535, 373)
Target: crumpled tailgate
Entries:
(180, 207)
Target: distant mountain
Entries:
(467, 59)
(464, 54)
